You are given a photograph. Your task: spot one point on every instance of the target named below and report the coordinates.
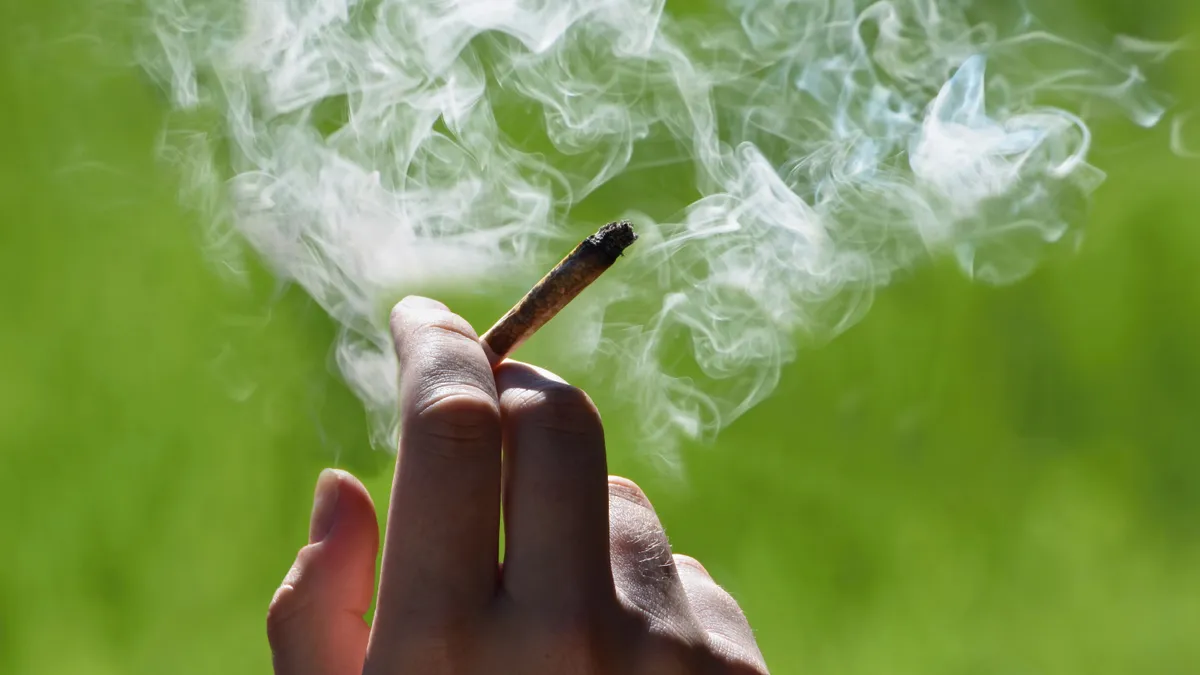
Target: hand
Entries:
(588, 583)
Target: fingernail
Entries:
(689, 561)
(418, 302)
(548, 375)
(324, 506)
(627, 489)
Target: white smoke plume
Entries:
(1182, 127)
(368, 147)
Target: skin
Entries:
(588, 584)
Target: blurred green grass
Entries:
(972, 480)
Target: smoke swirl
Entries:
(372, 146)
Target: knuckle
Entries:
(450, 395)
(641, 555)
(639, 547)
(443, 327)
(434, 330)
(457, 413)
(559, 408)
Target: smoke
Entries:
(1181, 127)
(367, 147)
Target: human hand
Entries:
(588, 583)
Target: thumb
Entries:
(315, 623)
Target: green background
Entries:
(973, 480)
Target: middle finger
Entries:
(555, 492)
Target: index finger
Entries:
(442, 541)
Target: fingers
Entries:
(315, 623)
(440, 553)
(719, 615)
(642, 566)
(674, 594)
(555, 493)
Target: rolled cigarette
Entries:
(569, 277)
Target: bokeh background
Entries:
(971, 481)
